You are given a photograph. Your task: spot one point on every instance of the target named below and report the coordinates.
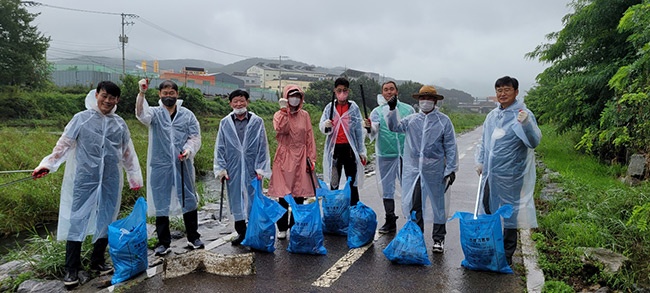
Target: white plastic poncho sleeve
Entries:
(96, 147)
(355, 135)
(506, 153)
(242, 161)
(170, 182)
(430, 154)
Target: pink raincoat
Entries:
(295, 143)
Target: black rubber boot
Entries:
(391, 220)
(240, 227)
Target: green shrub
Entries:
(595, 210)
(556, 287)
(46, 256)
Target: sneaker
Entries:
(282, 235)
(196, 244)
(71, 277)
(438, 246)
(102, 269)
(162, 250)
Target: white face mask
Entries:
(294, 101)
(239, 111)
(426, 105)
(381, 100)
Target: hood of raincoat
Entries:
(91, 103)
(290, 87)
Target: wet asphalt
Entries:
(282, 271)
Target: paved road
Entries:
(368, 270)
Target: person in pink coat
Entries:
(290, 172)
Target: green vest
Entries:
(391, 144)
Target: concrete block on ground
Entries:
(213, 263)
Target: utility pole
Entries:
(280, 75)
(123, 38)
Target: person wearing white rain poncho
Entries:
(389, 149)
(430, 162)
(96, 145)
(241, 153)
(173, 130)
(506, 159)
(344, 147)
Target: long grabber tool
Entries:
(16, 181)
(478, 195)
(363, 101)
(16, 171)
(332, 109)
(311, 175)
(41, 173)
(180, 157)
(223, 182)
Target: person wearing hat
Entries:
(389, 149)
(344, 147)
(291, 174)
(506, 159)
(241, 153)
(430, 161)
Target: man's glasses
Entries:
(505, 90)
(338, 91)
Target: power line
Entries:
(81, 51)
(34, 3)
(153, 25)
(124, 38)
(145, 21)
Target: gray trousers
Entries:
(439, 230)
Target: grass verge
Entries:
(595, 210)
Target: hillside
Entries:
(239, 66)
(116, 63)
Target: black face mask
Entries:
(168, 101)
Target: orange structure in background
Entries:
(186, 77)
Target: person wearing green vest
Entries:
(389, 149)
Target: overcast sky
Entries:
(461, 44)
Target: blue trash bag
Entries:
(336, 208)
(363, 223)
(482, 240)
(306, 234)
(260, 234)
(408, 246)
(127, 240)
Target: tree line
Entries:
(599, 76)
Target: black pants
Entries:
(286, 222)
(73, 253)
(191, 221)
(439, 230)
(509, 235)
(344, 158)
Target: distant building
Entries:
(270, 74)
(303, 81)
(85, 75)
(195, 70)
(484, 105)
(356, 74)
(227, 78)
(186, 78)
(249, 81)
